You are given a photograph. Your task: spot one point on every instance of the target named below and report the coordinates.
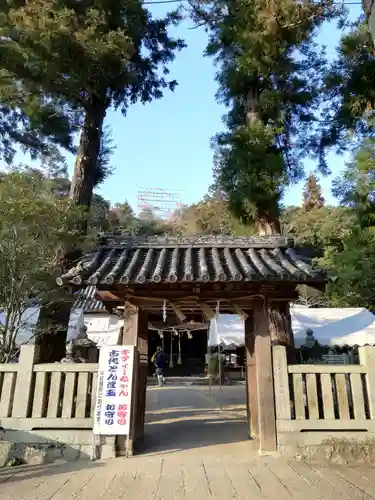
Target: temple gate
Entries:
(172, 280)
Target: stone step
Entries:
(180, 380)
(189, 381)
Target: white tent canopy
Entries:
(330, 326)
(102, 329)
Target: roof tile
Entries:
(204, 260)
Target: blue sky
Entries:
(166, 144)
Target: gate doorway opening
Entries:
(188, 418)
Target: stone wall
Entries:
(44, 446)
(349, 448)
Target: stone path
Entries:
(189, 477)
(195, 452)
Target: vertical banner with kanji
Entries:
(114, 390)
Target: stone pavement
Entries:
(195, 451)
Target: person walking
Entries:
(159, 361)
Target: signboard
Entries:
(104, 339)
(103, 329)
(114, 390)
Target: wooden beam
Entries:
(130, 330)
(184, 326)
(180, 315)
(264, 378)
(106, 296)
(276, 292)
(238, 310)
(157, 304)
(208, 312)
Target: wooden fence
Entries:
(46, 396)
(325, 398)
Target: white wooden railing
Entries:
(46, 396)
(324, 397)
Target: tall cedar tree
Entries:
(354, 262)
(356, 186)
(91, 55)
(312, 194)
(88, 56)
(27, 119)
(348, 123)
(349, 91)
(268, 77)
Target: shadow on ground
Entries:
(22, 472)
(190, 434)
(189, 418)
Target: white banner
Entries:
(114, 390)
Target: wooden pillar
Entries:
(134, 333)
(251, 382)
(142, 347)
(264, 378)
(29, 355)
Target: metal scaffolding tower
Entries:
(163, 203)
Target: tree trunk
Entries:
(268, 224)
(86, 164)
(281, 328)
(52, 339)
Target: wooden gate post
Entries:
(134, 334)
(264, 379)
(251, 377)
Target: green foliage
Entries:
(353, 264)
(349, 91)
(210, 216)
(34, 223)
(268, 76)
(82, 58)
(29, 121)
(121, 217)
(356, 186)
(77, 50)
(318, 227)
(354, 270)
(347, 121)
(98, 216)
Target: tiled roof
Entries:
(200, 259)
(87, 301)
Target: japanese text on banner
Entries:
(115, 379)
